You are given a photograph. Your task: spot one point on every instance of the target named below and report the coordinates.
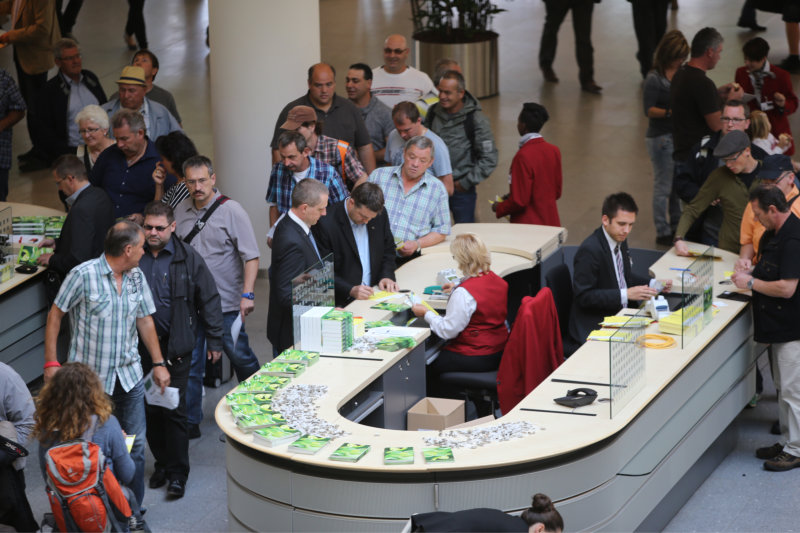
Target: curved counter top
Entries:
(603, 472)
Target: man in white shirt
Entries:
(395, 81)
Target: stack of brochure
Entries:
(276, 435)
(298, 356)
(337, 331)
(309, 444)
(311, 328)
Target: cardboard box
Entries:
(435, 413)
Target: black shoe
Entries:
(769, 452)
(177, 488)
(751, 25)
(791, 63)
(591, 87)
(775, 429)
(33, 165)
(549, 74)
(782, 462)
(194, 431)
(158, 479)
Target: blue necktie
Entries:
(314, 244)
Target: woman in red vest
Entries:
(475, 319)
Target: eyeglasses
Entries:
(395, 51)
(59, 180)
(148, 227)
(84, 131)
(195, 183)
(735, 120)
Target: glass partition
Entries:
(312, 288)
(7, 257)
(626, 360)
(698, 294)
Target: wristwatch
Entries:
(249, 295)
(160, 363)
(749, 283)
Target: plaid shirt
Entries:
(327, 151)
(11, 100)
(281, 184)
(424, 209)
(103, 322)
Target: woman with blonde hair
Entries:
(763, 137)
(475, 319)
(73, 405)
(670, 54)
(93, 126)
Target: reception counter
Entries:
(615, 473)
(23, 310)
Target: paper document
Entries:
(152, 394)
(236, 327)
(129, 442)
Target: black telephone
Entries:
(577, 397)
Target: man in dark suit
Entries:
(293, 251)
(90, 215)
(357, 232)
(602, 280)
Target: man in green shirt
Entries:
(729, 187)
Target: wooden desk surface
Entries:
(23, 210)
(525, 240)
(559, 433)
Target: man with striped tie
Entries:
(602, 279)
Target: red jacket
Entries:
(535, 185)
(781, 83)
(533, 350)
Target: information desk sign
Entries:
(626, 362)
(7, 256)
(698, 296)
(312, 288)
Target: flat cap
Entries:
(732, 143)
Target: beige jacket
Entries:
(34, 34)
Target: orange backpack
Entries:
(84, 494)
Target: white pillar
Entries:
(260, 54)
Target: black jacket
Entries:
(50, 113)
(594, 284)
(194, 299)
(292, 254)
(334, 235)
(84, 230)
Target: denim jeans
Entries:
(244, 360)
(462, 204)
(665, 200)
(129, 409)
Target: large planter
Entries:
(478, 60)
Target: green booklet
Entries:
(377, 324)
(248, 398)
(398, 456)
(277, 368)
(240, 411)
(298, 356)
(393, 307)
(438, 455)
(28, 254)
(276, 435)
(263, 420)
(261, 383)
(309, 444)
(349, 452)
(392, 344)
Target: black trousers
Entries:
(66, 20)
(29, 85)
(649, 24)
(582, 27)
(168, 430)
(135, 23)
(455, 362)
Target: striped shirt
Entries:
(422, 210)
(327, 151)
(103, 322)
(175, 195)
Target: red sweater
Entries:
(781, 83)
(535, 185)
(486, 332)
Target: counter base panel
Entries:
(23, 315)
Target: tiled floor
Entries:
(602, 142)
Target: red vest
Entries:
(486, 332)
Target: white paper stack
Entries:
(311, 328)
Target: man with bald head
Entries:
(340, 118)
(396, 82)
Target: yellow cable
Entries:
(666, 341)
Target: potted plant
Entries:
(460, 30)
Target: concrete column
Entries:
(260, 54)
